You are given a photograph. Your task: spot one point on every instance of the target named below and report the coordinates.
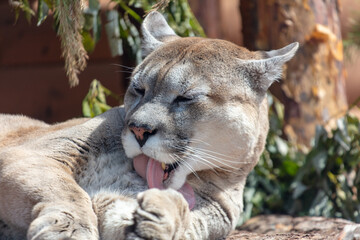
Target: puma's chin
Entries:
(176, 179)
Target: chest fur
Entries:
(110, 171)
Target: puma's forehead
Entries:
(202, 49)
(191, 63)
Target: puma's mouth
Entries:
(168, 169)
(157, 173)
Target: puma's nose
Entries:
(142, 133)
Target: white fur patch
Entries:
(117, 218)
(179, 178)
(153, 148)
(131, 146)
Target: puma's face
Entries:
(194, 103)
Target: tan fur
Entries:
(205, 101)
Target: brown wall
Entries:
(220, 19)
(32, 76)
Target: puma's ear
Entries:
(155, 31)
(264, 72)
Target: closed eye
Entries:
(182, 99)
(139, 91)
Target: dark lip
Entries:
(169, 168)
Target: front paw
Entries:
(62, 224)
(162, 214)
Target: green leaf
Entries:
(290, 167)
(282, 147)
(319, 160)
(298, 189)
(24, 6)
(50, 4)
(131, 12)
(103, 107)
(93, 20)
(101, 95)
(320, 135)
(88, 21)
(341, 194)
(320, 204)
(42, 12)
(113, 33)
(86, 110)
(94, 5)
(332, 178)
(97, 28)
(27, 10)
(97, 109)
(342, 140)
(94, 102)
(88, 42)
(341, 125)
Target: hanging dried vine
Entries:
(68, 15)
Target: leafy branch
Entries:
(323, 182)
(94, 102)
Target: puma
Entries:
(171, 164)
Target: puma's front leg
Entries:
(115, 214)
(217, 210)
(64, 212)
(61, 220)
(42, 200)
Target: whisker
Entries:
(204, 152)
(202, 155)
(123, 66)
(205, 161)
(216, 153)
(221, 162)
(211, 159)
(187, 165)
(194, 140)
(122, 71)
(213, 154)
(199, 155)
(190, 156)
(213, 167)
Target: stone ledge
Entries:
(282, 227)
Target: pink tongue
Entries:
(154, 174)
(151, 170)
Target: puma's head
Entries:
(197, 104)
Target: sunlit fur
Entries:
(205, 98)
